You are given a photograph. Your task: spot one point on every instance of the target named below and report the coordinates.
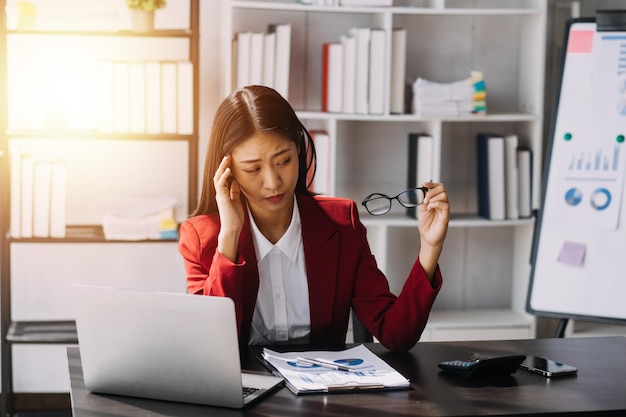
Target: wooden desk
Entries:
(599, 388)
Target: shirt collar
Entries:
(289, 243)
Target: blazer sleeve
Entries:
(397, 322)
(208, 272)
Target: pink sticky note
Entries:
(580, 41)
(572, 253)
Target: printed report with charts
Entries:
(349, 370)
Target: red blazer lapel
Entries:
(321, 250)
(250, 278)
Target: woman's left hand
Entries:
(432, 220)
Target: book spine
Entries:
(16, 187)
(524, 163)
(41, 199)
(376, 90)
(490, 167)
(398, 70)
(511, 176)
(256, 58)
(168, 97)
(349, 73)
(105, 96)
(58, 199)
(269, 59)
(137, 97)
(120, 97)
(153, 97)
(26, 186)
(243, 45)
(420, 163)
(332, 77)
(185, 97)
(361, 105)
(322, 180)
(283, 58)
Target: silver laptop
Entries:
(166, 346)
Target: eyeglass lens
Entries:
(411, 198)
(378, 204)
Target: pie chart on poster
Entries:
(600, 199)
(573, 196)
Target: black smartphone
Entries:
(547, 367)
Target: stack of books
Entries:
(153, 97)
(38, 195)
(504, 177)
(263, 58)
(353, 72)
(435, 99)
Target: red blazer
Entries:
(341, 272)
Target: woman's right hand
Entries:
(230, 208)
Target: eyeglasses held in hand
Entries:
(377, 203)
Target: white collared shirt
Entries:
(282, 311)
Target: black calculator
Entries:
(483, 367)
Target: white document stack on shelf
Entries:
(435, 99)
(136, 218)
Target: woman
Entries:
(295, 263)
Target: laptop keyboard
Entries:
(249, 390)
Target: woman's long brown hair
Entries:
(244, 113)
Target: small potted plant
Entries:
(142, 13)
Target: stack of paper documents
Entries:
(330, 371)
(137, 218)
(434, 99)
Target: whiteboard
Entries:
(579, 249)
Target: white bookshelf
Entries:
(55, 120)
(485, 264)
